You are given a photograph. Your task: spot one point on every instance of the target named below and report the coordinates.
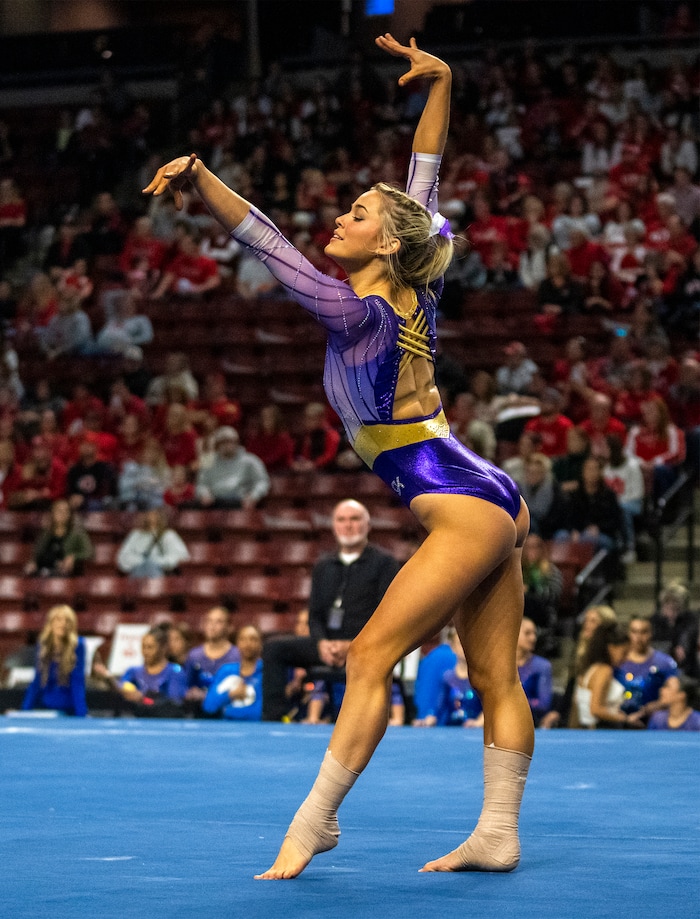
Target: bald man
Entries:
(346, 587)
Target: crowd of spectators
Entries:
(573, 178)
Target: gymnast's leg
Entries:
(467, 539)
(488, 627)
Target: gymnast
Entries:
(379, 376)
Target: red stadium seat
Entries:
(14, 556)
(12, 593)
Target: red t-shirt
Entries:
(75, 411)
(13, 210)
(196, 269)
(175, 497)
(275, 450)
(51, 484)
(597, 435)
(128, 451)
(482, 234)
(226, 411)
(140, 248)
(179, 449)
(553, 433)
(582, 257)
(628, 405)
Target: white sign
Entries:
(126, 647)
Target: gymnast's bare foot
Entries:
(480, 853)
(288, 864)
(449, 862)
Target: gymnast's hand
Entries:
(175, 175)
(423, 65)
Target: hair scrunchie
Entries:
(440, 226)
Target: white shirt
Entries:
(141, 546)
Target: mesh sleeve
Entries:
(333, 303)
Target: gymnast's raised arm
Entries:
(431, 132)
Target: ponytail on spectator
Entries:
(607, 634)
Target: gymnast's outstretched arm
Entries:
(333, 303)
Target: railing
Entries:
(593, 577)
(673, 510)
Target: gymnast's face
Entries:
(356, 236)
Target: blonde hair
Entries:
(420, 258)
(675, 592)
(64, 654)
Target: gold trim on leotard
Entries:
(413, 341)
(373, 439)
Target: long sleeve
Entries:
(257, 480)
(428, 687)
(78, 545)
(169, 551)
(131, 552)
(77, 681)
(333, 303)
(31, 696)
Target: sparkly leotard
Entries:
(368, 347)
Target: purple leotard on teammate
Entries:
(367, 342)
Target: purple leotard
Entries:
(366, 345)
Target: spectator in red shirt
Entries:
(680, 240)
(628, 404)
(269, 440)
(600, 423)
(75, 411)
(486, 229)
(317, 446)
(174, 394)
(179, 440)
(13, 218)
(131, 437)
(658, 444)
(550, 424)
(38, 482)
(625, 175)
(658, 233)
(465, 177)
(141, 259)
(216, 402)
(56, 441)
(190, 273)
(570, 377)
(181, 492)
(123, 402)
(583, 252)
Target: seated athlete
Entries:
(380, 377)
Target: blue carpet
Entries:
(148, 819)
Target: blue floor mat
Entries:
(131, 819)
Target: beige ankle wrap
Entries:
(494, 844)
(315, 827)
